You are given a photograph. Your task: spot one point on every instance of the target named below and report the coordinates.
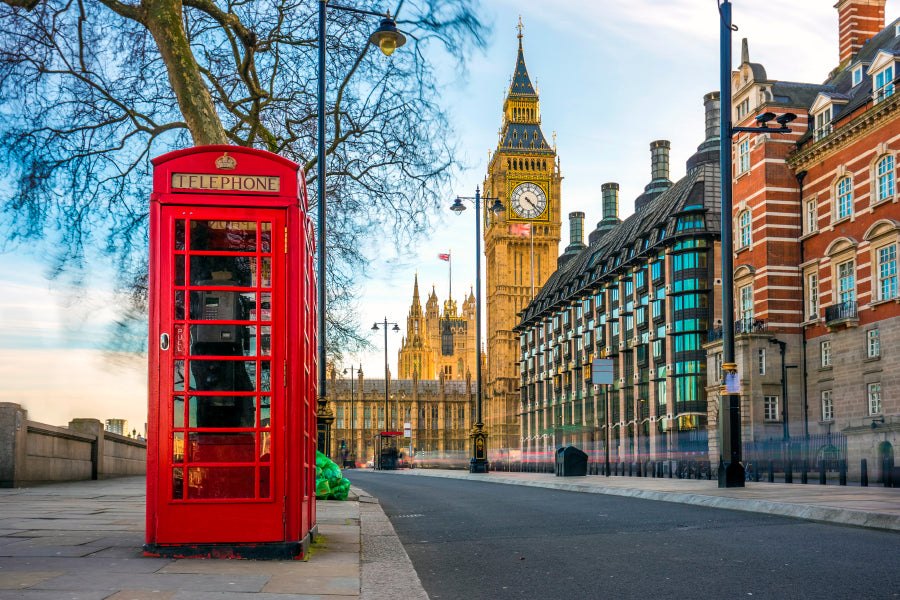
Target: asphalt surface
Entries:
(468, 539)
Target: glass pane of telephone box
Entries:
(223, 271)
(221, 411)
(222, 305)
(223, 236)
(223, 340)
(223, 375)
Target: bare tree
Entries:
(92, 89)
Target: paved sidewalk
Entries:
(82, 541)
(873, 507)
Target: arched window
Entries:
(745, 228)
(844, 198)
(884, 182)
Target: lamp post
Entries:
(478, 463)
(375, 327)
(387, 38)
(351, 419)
(731, 471)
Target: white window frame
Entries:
(746, 306)
(857, 75)
(873, 396)
(761, 361)
(827, 405)
(825, 353)
(873, 345)
(846, 276)
(812, 215)
(812, 296)
(843, 198)
(883, 84)
(743, 155)
(745, 228)
(884, 178)
(823, 123)
(887, 271)
(770, 408)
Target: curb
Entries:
(385, 570)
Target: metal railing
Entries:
(741, 326)
(841, 311)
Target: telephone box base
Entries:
(272, 551)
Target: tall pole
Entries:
(478, 422)
(386, 426)
(607, 429)
(324, 418)
(731, 471)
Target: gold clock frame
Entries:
(544, 184)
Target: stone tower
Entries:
(521, 245)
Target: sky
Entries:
(612, 77)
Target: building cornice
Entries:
(843, 136)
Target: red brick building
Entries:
(816, 228)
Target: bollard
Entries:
(629, 468)
(863, 473)
(789, 472)
(671, 470)
(822, 472)
(771, 471)
(804, 472)
(843, 473)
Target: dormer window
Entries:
(857, 75)
(823, 123)
(884, 84)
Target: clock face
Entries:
(528, 200)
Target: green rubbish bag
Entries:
(330, 484)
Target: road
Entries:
(470, 540)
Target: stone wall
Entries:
(33, 453)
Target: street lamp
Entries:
(731, 471)
(387, 38)
(351, 419)
(375, 327)
(478, 463)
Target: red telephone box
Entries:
(231, 452)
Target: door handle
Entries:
(164, 341)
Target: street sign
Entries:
(602, 371)
(407, 430)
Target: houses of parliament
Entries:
(435, 387)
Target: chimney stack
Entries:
(610, 195)
(576, 229)
(858, 21)
(659, 171)
(659, 159)
(708, 151)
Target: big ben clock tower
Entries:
(524, 173)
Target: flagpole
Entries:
(450, 268)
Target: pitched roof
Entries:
(521, 83)
(625, 246)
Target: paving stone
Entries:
(113, 582)
(86, 564)
(53, 595)
(143, 595)
(16, 580)
(237, 567)
(260, 596)
(299, 584)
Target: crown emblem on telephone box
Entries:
(226, 162)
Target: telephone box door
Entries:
(221, 379)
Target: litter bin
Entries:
(571, 462)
